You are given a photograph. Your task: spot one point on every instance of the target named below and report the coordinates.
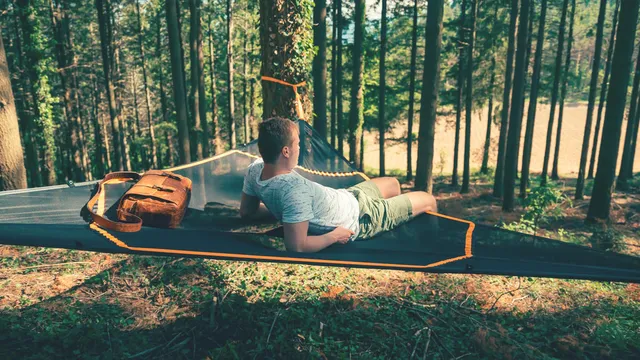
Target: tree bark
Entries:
(217, 141)
(412, 90)
(245, 114)
(319, 68)
(460, 89)
(592, 97)
(533, 102)
(13, 174)
(163, 97)
(487, 142)
(147, 93)
(184, 150)
(340, 114)
(469, 101)
(194, 96)
(111, 101)
(554, 92)
(202, 96)
(98, 135)
(515, 122)
(563, 93)
(625, 173)
(429, 100)
(382, 124)
(504, 124)
(334, 73)
(603, 91)
(230, 72)
(356, 113)
(607, 159)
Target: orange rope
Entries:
(299, 111)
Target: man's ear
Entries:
(286, 152)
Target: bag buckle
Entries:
(160, 188)
(171, 176)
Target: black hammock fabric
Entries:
(50, 217)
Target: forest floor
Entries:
(74, 304)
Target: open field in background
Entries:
(575, 117)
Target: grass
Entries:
(73, 304)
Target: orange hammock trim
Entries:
(299, 111)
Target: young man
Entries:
(359, 212)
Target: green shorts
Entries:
(378, 214)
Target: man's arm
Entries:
(252, 208)
(296, 239)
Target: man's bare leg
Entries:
(421, 202)
(389, 186)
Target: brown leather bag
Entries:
(157, 199)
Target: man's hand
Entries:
(341, 235)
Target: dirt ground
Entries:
(575, 116)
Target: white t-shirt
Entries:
(292, 198)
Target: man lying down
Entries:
(303, 206)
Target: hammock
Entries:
(50, 217)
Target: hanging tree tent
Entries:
(51, 217)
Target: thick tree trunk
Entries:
(595, 71)
(230, 72)
(12, 172)
(533, 102)
(504, 124)
(217, 141)
(607, 159)
(319, 67)
(147, 93)
(412, 90)
(429, 100)
(603, 91)
(554, 92)
(515, 122)
(245, 114)
(625, 173)
(469, 101)
(356, 112)
(103, 20)
(184, 150)
(563, 93)
(340, 114)
(460, 89)
(382, 123)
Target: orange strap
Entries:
(299, 111)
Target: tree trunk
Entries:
(563, 93)
(616, 98)
(515, 121)
(152, 135)
(230, 72)
(60, 22)
(504, 124)
(429, 100)
(202, 96)
(98, 136)
(533, 102)
(603, 91)
(460, 89)
(634, 145)
(245, 114)
(319, 68)
(340, 114)
(41, 124)
(382, 124)
(412, 90)
(487, 142)
(106, 66)
(554, 92)
(163, 97)
(469, 101)
(184, 150)
(592, 98)
(334, 73)
(184, 67)
(217, 141)
(194, 97)
(625, 173)
(356, 112)
(12, 172)
(82, 140)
